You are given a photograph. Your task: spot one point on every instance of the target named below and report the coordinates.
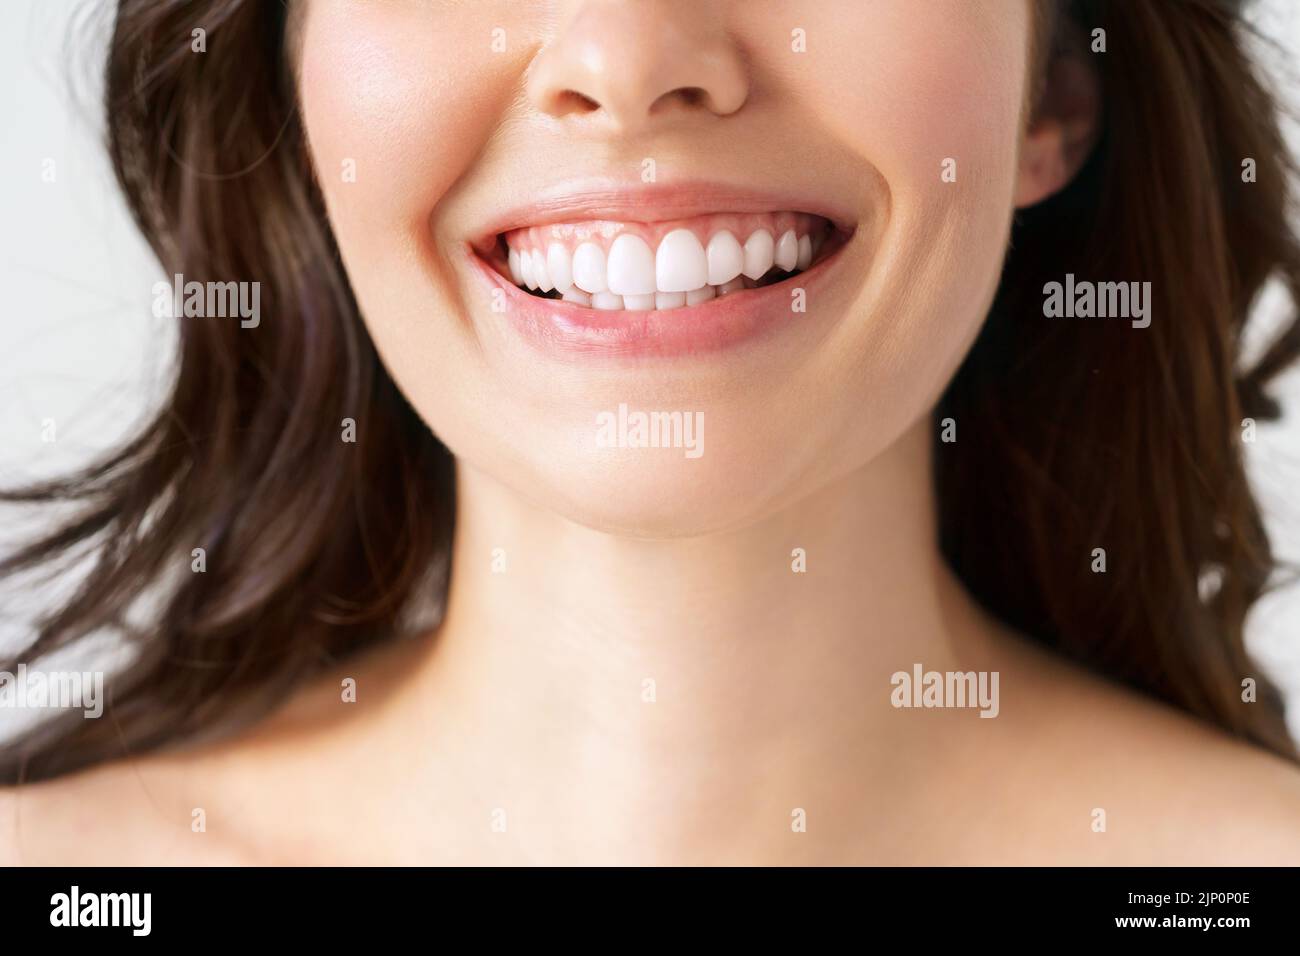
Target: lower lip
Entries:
(721, 323)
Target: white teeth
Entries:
(559, 266)
(526, 269)
(541, 275)
(589, 268)
(639, 303)
(787, 251)
(805, 253)
(681, 273)
(630, 269)
(726, 258)
(760, 252)
(680, 265)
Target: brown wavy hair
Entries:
(1075, 435)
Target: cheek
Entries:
(909, 83)
(396, 101)
(935, 107)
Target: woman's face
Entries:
(859, 157)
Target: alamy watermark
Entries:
(129, 910)
(922, 688)
(216, 300)
(1098, 300)
(31, 689)
(629, 429)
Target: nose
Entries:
(629, 64)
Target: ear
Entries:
(1063, 130)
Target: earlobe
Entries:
(1043, 171)
(1064, 129)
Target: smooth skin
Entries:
(648, 681)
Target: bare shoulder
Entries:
(8, 828)
(1154, 785)
(143, 811)
(243, 799)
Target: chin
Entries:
(657, 493)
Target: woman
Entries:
(684, 433)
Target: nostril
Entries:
(571, 101)
(692, 97)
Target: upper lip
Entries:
(587, 200)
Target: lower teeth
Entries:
(578, 297)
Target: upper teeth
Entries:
(629, 275)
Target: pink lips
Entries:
(569, 328)
(717, 324)
(652, 202)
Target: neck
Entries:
(709, 665)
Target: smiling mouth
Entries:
(656, 266)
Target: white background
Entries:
(79, 344)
